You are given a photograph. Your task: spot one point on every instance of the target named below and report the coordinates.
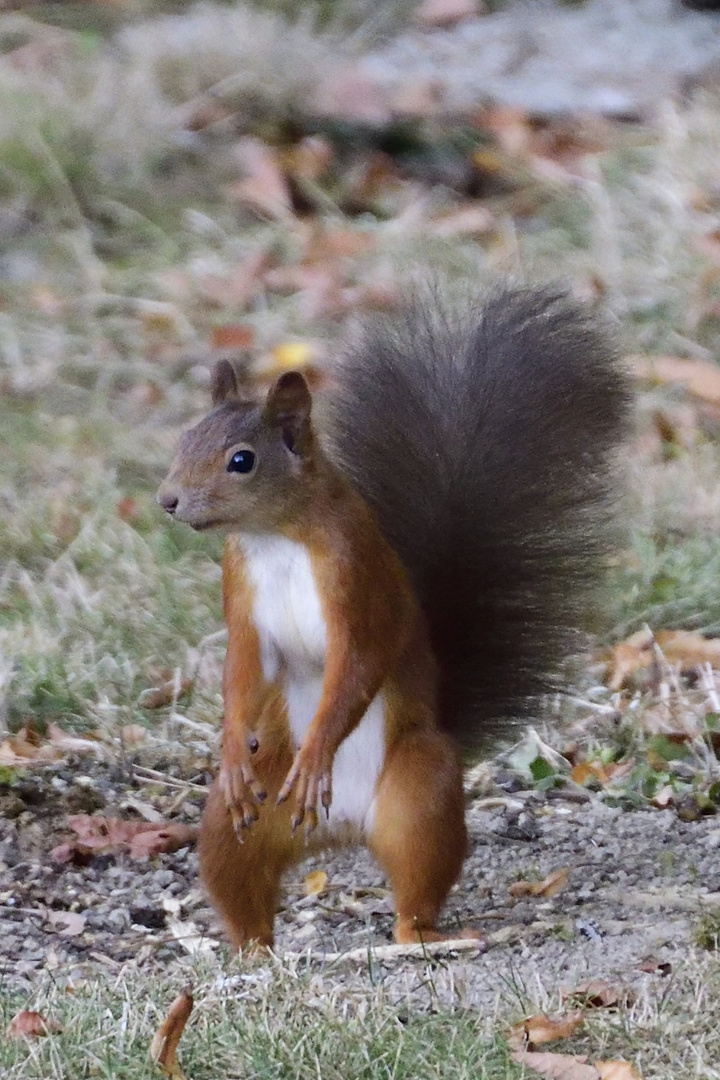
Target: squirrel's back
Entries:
(486, 439)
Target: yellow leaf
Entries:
(316, 883)
(292, 354)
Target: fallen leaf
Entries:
(629, 656)
(26, 747)
(557, 1066)
(688, 648)
(474, 220)
(586, 771)
(310, 158)
(134, 734)
(75, 744)
(316, 883)
(350, 93)
(600, 995)
(31, 1025)
(701, 378)
(265, 188)
(444, 13)
(157, 696)
(163, 1049)
(98, 834)
(549, 886)
(292, 355)
(191, 937)
(233, 336)
(664, 798)
(67, 923)
(655, 966)
(617, 1070)
(539, 1029)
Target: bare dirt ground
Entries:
(639, 886)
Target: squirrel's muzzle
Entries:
(168, 500)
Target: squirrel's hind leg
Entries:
(243, 879)
(419, 835)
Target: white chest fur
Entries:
(286, 610)
(293, 643)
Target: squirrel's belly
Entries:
(359, 760)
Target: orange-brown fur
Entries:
(376, 641)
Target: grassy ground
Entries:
(276, 1021)
(119, 241)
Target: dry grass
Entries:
(277, 1020)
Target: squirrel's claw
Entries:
(241, 791)
(311, 778)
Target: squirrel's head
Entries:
(246, 465)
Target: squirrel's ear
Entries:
(223, 382)
(288, 407)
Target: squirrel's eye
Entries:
(242, 461)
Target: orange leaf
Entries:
(163, 1049)
(540, 1029)
(235, 336)
(31, 1025)
(157, 696)
(586, 771)
(549, 886)
(617, 1070)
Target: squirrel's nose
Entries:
(168, 501)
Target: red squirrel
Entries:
(409, 559)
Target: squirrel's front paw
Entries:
(242, 792)
(311, 777)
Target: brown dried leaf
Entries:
(557, 1066)
(701, 378)
(601, 995)
(157, 696)
(688, 648)
(265, 188)
(631, 655)
(310, 158)
(553, 883)
(133, 734)
(586, 771)
(446, 13)
(163, 1049)
(25, 747)
(617, 1070)
(655, 966)
(238, 337)
(31, 1025)
(140, 838)
(472, 220)
(664, 798)
(539, 1029)
(549, 886)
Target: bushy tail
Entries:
(487, 441)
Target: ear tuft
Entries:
(223, 382)
(288, 407)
